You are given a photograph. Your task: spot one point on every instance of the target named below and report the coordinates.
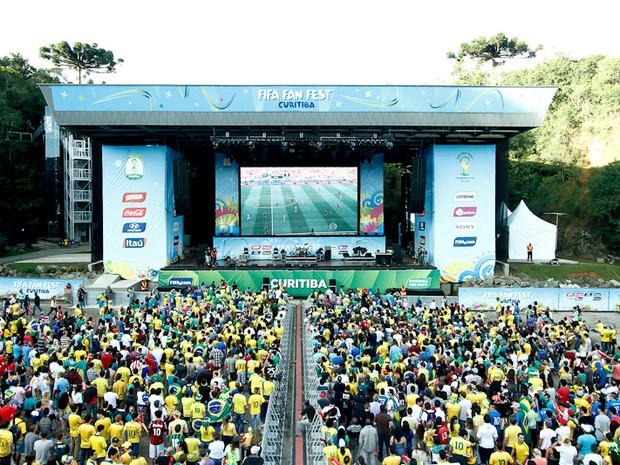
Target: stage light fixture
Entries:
(319, 145)
(389, 144)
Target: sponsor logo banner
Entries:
(464, 196)
(464, 226)
(419, 283)
(134, 227)
(465, 241)
(137, 243)
(134, 197)
(134, 212)
(464, 211)
(180, 282)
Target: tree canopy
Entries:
(82, 58)
(497, 49)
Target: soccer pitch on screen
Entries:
(298, 201)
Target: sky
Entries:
(316, 42)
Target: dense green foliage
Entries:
(21, 158)
(82, 58)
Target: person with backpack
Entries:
(18, 430)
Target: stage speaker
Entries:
(332, 285)
(265, 284)
(328, 254)
(200, 257)
(417, 192)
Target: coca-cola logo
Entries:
(134, 197)
(134, 212)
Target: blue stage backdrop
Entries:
(141, 230)
(458, 226)
(226, 195)
(371, 196)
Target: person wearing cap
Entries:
(254, 458)
(585, 441)
(568, 452)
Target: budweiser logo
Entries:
(134, 197)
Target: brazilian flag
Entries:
(217, 410)
(528, 421)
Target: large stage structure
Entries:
(287, 182)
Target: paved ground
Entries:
(55, 254)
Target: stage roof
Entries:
(191, 116)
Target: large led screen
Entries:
(298, 201)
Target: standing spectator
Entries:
(530, 251)
(369, 442)
(37, 305)
(384, 426)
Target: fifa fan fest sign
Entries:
(588, 299)
(46, 288)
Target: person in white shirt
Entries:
(547, 435)
(486, 435)
(567, 451)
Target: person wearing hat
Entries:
(254, 458)
(568, 452)
(585, 441)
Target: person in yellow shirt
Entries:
(132, 430)
(86, 430)
(521, 450)
(459, 446)
(115, 431)
(240, 405)
(256, 401)
(98, 443)
(500, 457)
(511, 434)
(6, 445)
(331, 452)
(74, 421)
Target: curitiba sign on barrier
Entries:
(301, 283)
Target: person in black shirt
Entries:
(306, 417)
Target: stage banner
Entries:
(300, 283)
(263, 248)
(138, 207)
(226, 195)
(190, 99)
(594, 299)
(46, 288)
(371, 196)
(423, 223)
(589, 299)
(52, 135)
(463, 211)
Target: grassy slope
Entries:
(604, 271)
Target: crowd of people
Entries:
(441, 384)
(184, 375)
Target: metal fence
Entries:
(314, 438)
(275, 420)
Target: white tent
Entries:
(525, 227)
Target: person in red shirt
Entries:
(563, 392)
(157, 432)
